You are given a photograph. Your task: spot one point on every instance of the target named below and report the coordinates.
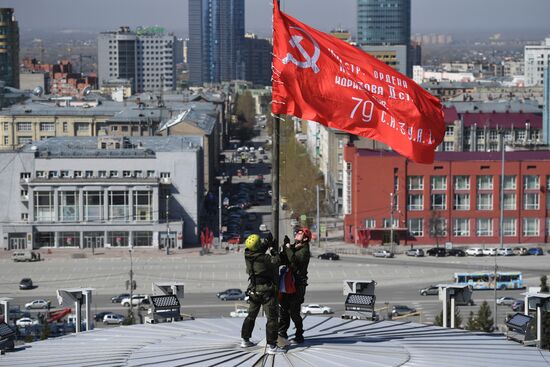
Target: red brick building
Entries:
(456, 199)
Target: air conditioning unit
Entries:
(165, 180)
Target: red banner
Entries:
(320, 78)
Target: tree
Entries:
(45, 332)
(472, 323)
(458, 318)
(484, 320)
(437, 226)
(245, 107)
(130, 318)
(543, 286)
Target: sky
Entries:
(441, 16)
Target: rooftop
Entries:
(139, 147)
(539, 155)
(330, 341)
(201, 119)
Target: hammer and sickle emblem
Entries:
(311, 61)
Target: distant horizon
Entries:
(428, 16)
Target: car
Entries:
(416, 252)
(37, 304)
(25, 256)
(437, 252)
(118, 299)
(113, 318)
(505, 252)
(383, 253)
(241, 312)
(137, 300)
(233, 295)
(234, 240)
(315, 309)
(26, 321)
(506, 301)
(432, 290)
(456, 252)
(228, 291)
(474, 251)
(401, 310)
(98, 317)
(520, 251)
(26, 283)
(329, 256)
(518, 306)
(535, 251)
(490, 251)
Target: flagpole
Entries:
(275, 135)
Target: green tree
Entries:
(437, 226)
(130, 317)
(472, 323)
(484, 320)
(458, 318)
(543, 286)
(45, 332)
(245, 107)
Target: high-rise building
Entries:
(9, 48)
(383, 22)
(384, 30)
(536, 61)
(146, 57)
(257, 59)
(216, 33)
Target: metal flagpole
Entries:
(275, 135)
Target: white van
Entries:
(25, 256)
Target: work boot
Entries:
(297, 340)
(274, 349)
(246, 343)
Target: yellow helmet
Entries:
(252, 242)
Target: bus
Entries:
(486, 280)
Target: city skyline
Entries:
(427, 15)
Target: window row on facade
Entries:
(462, 227)
(482, 182)
(483, 201)
(25, 176)
(95, 239)
(96, 206)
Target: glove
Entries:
(269, 238)
(286, 240)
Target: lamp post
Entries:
(220, 215)
(318, 217)
(167, 239)
(131, 285)
(501, 225)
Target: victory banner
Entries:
(320, 78)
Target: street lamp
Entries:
(501, 226)
(167, 239)
(131, 285)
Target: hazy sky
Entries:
(428, 15)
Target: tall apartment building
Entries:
(257, 60)
(146, 57)
(537, 59)
(384, 30)
(216, 33)
(9, 48)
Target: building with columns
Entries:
(84, 192)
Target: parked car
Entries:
(26, 283)
(505, 252)
(137, 300)
(26, 321)
(416, 252)
(233, 295)
(490, 251)
(456, 252)
(518, 306)
(401, 310)
(118, 299)
(474, 251)
(240, 312)
(25, 256)
(437, 252)
(37, 304)
(506, 301)
(432, 290)
(383, 253)
(113, 318)
(98, 317)
(535, 251)
(520, 251)
(329, 256)
(315, 309)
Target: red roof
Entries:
(450, 115)
(502, 119)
